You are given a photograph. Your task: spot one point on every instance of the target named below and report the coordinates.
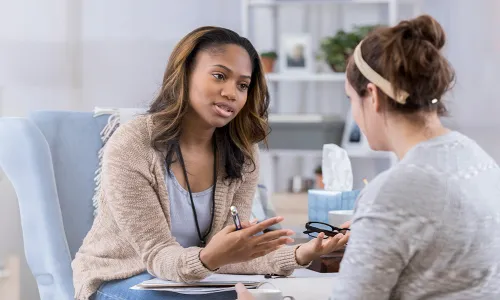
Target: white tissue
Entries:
(336, 168)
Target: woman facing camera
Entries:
(428, 228)
(170, 177)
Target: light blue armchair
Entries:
(50, 158)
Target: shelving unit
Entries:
(392, 5)
(313, 2)
(319, 153)
(308, 85)
(314, 77)
(303, 118)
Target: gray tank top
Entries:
(183, 226)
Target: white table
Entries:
(305, 284)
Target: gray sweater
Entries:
(429, 228)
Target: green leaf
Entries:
(336, 49)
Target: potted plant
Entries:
(268, 59)
(319, 178)
(336, 50)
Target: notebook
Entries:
(215, 283)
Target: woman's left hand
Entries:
(319, 246)
(243, 293)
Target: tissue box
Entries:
(320, 202)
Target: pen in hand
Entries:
(236, 218)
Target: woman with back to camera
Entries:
(428, 228)
(170, 177)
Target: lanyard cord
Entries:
(203, 238)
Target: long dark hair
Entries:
(235, 140)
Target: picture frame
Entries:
(296, 55)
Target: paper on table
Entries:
(190, 290)
(252, 281)
(214, 283)
(212, 280)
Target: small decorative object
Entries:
(299, 184)
(336, 50)
(319, 178)
(268, 59)
(353, 140)
(296, 53)
(296, 184)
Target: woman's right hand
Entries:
(230, 246)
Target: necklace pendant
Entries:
(202, 244)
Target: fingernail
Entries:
(279, 219)
(290, 232)
(289, 240)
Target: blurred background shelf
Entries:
(319, 153)
(308, 108)
(319, 2)
(392, 6)
(321, 77)
(303, 118)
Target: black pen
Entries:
(275, 276)
(236, 218)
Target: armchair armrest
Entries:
(26, 160)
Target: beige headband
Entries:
(376, 78)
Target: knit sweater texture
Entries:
(131, 232)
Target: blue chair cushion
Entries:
(74, 141)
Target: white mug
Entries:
(339, 217)
(268, 294)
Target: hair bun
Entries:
(424, 28)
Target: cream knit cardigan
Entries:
(131, 233)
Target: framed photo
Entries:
(353, 140)
(296, 53)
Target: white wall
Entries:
(127, 44)
(75, 54)
(35, 72)
(35, 68)
(473, 29)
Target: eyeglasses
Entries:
(313, 229)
